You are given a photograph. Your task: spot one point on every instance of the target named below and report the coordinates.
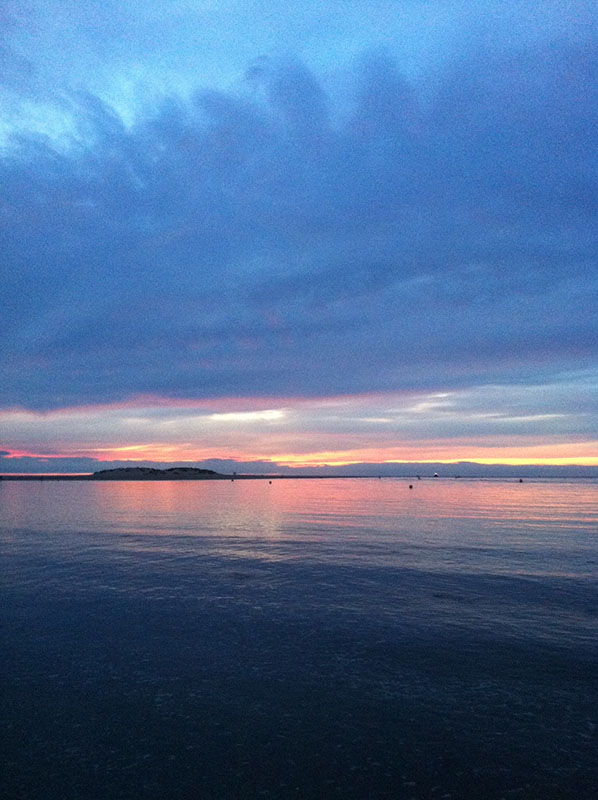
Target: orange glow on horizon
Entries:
(296, 432)
(346, 460)
(561, 454)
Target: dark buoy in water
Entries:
(270, 482)
(411, 486)
(435, 474)
(520, 480)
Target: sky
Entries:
(278, 235)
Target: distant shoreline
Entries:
(194, 474)
(152, 474)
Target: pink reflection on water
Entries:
(323, 500)
(379, 521)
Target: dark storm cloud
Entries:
(269, 242)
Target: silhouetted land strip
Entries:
(153, 474)
(196, 474)
(131, 474)
(178, 474)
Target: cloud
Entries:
(272, 239)
(547, 422)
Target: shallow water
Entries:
(300, 639)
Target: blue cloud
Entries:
(277, 239)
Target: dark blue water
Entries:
(305, 639)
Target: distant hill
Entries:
(152, 474)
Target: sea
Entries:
(360, 639)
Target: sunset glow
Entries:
(381, 429)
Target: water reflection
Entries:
(442, 523)
(324, 499)
(305, 638)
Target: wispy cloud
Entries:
(484, 424)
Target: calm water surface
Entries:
(300, 639)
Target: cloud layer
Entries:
(401, 224)
(493, 424)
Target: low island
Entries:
(129, 474)
(153, 474)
